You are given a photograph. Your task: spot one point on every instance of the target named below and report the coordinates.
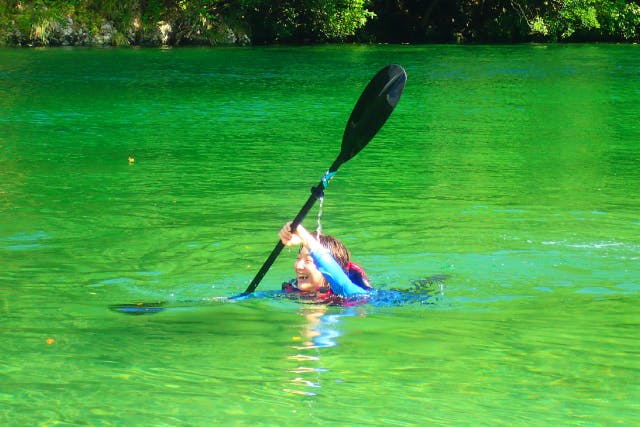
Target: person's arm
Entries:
(328, 266)
(331, 270)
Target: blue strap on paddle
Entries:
(327, 177)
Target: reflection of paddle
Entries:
(373, 108)
(138, 308)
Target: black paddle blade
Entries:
(372, 110)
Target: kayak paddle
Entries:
(371, 111)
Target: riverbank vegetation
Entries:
(245, 22)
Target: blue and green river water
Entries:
(511, 171)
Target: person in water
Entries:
(324, 271)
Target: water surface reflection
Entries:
(320, 331)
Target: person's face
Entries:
(308, 275)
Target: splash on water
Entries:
(325, 181)
(319, 219)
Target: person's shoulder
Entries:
(358, 276)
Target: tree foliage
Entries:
(605, 20)
(505, 20)
(311, 20)
(178, 22)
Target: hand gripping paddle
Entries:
(371, 111)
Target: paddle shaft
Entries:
(371, 111)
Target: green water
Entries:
(512, 170)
